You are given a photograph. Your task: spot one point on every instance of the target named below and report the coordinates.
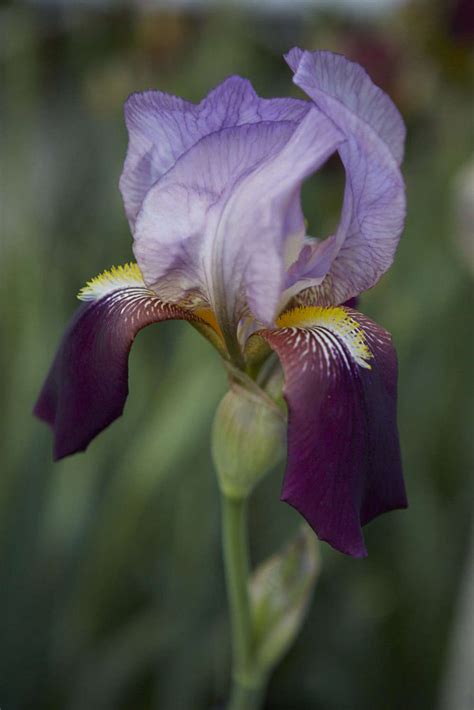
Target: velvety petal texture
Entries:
(363, 247)
(87, 385)
(344, 464)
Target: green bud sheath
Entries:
(248, 439)
(280, 592)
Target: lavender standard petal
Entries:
(219, 222)
(329, 78)
(373, 212)
(163, 127)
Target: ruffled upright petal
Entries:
(330, 78)
(363, 247)
(217, 226)
(87, 385)
(344, 465)
(162, 127)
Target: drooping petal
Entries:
(344, 464)
(219, 223)
(363, 247)
(87, 385)
(163, 127)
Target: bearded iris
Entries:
(212, 195)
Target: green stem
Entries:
(247, 682)
(243, 698)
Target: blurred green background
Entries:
(111, 582)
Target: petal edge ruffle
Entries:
(373, 212)
(163, 127)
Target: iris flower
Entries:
(212, 195)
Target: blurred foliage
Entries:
(111, 585)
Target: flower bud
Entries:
(280, 592)
(248, 439)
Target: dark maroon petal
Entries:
(87, 385)
(344, 465)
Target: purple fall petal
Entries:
(344, 464)
(87, 385)
(374, 200)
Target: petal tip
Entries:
(293, 58)
(61, 450)
(324, 74)
(352, 545)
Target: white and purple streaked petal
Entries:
(220, 221)
(162, 127)
(373, 211)
(344, 465)
(87, 385)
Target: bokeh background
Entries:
(111, 582)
